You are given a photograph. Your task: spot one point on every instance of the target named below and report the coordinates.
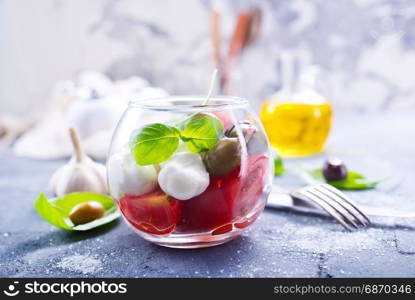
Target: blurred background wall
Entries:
(365, 46)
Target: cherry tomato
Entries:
(154, 213)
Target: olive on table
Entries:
(86, 212)
(334, 169)
(223, 158)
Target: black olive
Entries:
(256, 142)
(334, 169)
(223, 158)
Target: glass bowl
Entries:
(189, 175)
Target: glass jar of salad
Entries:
(189, 175)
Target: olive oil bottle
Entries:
(297, 123)
(296, 129)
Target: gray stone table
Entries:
(279, 244)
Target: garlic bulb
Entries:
(80, 174)
(89, 116)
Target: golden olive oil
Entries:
(296, 129)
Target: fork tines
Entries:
(335, 203)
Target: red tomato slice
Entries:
(225, 118)
(211, 209)
(227, 199)
(252, 186)
(154, 213)
(223, 229)
(248, 221)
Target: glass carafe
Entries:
(297, 121)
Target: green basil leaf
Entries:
(56, 211)
(67, 202)
(202, 133)
(52, 214)
(278, 164)
(154, 143)
(316, 174)
(353, 181)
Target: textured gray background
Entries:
(366, 46)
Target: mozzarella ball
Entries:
(126, 177)
(183, 176)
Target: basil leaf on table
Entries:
(154, 143)
(202, 133)
(56, 211)
(278, 163)
(353, 181)
(52, 214)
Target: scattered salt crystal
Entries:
(6, 234)
(316, 239)
(80, 263)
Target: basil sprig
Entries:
(353, 181)
(56, 211)
(156, 143)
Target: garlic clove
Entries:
(184, 176)
(126, 177)
(80, 174)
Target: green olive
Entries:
(223, 158)
(86, 212)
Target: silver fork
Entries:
(334, 202)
